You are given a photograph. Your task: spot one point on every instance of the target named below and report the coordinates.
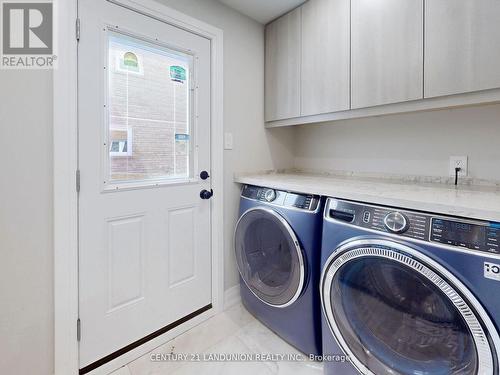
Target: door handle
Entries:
(205, 194)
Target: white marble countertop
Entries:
(478, 202)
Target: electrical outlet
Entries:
(458, 162)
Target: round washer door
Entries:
(393, 310)
(269, 257)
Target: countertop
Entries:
(477, 202)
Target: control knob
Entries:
(269, 195)
(396, 222)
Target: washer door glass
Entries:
(269, 257)
(396, 316)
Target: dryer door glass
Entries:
(396, 316)
(269, 257)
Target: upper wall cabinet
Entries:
(339, 59)
(325, 56)
(387, 51)
(462, 46)
(282, 72)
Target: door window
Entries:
(149, 133)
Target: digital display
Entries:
(250, 192)
(295, 200)
(462, 232)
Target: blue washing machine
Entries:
(278, 250)
(408, 292)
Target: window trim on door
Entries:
(109, 185)
(66, 356)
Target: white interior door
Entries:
(144, 138)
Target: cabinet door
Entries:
(325, 56)
(387, 51)
(283, 67)
(462, 46)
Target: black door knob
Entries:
(205, 194)
(204, 175)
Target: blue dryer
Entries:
(278, 250)
(408, 292)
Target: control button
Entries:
(366, 216)
(396, 222)
(421, 226)
(419, 231)
(269, 195)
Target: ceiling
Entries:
(263, 11)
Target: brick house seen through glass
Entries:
(149, 111)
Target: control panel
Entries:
(470, 235)
(281, 198)
(474, 235)
(402, 222)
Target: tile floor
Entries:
(233, 331)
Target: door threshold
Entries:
(142, 341)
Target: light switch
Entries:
(228, 141)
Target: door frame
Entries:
(65, 163)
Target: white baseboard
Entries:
(232, 296)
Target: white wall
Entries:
(412, 144)
(26, 243)
(26, 271)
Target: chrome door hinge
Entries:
(78, 181)
(78, 29)
(78, 330)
